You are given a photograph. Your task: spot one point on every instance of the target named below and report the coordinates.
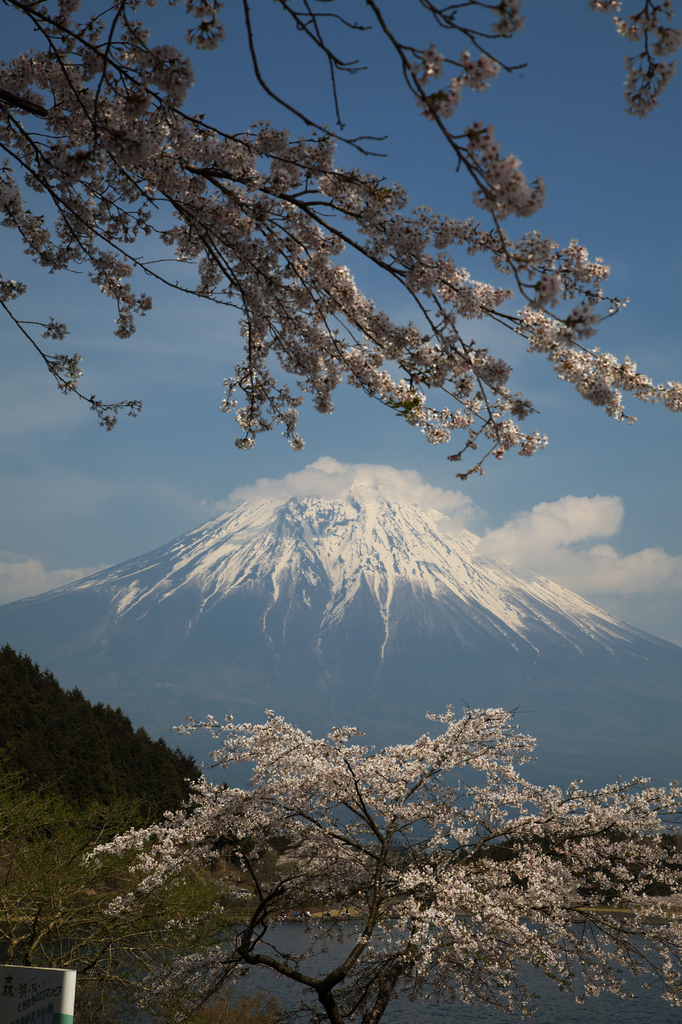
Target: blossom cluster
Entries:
(509, 19)
(209, 33)
(449, 883)
(505, 190)
(475, 75)
(647, 76)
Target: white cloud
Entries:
(327, 478)
(28, 577)
(548, 541)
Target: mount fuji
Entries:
(360, 612)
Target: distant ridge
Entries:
(362, 612)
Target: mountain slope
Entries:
(371, 613)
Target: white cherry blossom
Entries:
(436, 861)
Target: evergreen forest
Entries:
(87, 753)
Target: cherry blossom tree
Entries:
(435, 889)
(93, 119)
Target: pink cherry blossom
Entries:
(93, 118)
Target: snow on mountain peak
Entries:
(326, 551)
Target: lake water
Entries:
(552, 1007)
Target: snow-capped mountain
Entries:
(362, 612)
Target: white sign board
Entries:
(36, 995)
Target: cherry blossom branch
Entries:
(257, 215)
(646, 80)
(334, 62)
(65, 369)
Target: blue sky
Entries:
(598, 510)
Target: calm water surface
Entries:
(552, 1007)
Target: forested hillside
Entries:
(87, 753)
